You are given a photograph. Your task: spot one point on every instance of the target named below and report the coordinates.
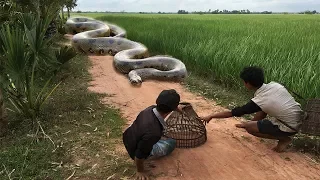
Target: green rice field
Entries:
(217, 47)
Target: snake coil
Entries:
(99, 38)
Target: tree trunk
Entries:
(62, 13)
(3, 117)
(68, 12)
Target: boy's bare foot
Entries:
(282, 144)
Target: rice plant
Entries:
(219, 46)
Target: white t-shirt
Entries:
(277, 102)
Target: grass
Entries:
(86, 135)
(219, 46)
(216, 47)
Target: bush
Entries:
(27, 52)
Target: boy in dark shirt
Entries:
(146, 131)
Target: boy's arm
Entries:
(139, 164)
(143, 150)
(224, 114)
(249, 108)
(140, 169)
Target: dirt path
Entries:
(228, 154)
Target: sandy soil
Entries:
(229, 153)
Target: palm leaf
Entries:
(64, 54)
(16, 56)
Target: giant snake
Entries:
(100, 38)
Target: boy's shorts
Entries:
(266, 127)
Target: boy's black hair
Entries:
(167, 101)
(253, 75)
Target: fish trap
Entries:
(186, 128)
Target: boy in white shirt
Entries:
(271, 99)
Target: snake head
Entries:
(136, 81)
(134, 78)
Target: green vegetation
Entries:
(219, 46)
(68, 132)
(216, 47)
(53, 127)
(29, 52)
(84, 131)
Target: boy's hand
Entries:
(180, 107)
(141, 176)
(206, 118)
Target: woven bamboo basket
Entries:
(311, 122)
(186, 128)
